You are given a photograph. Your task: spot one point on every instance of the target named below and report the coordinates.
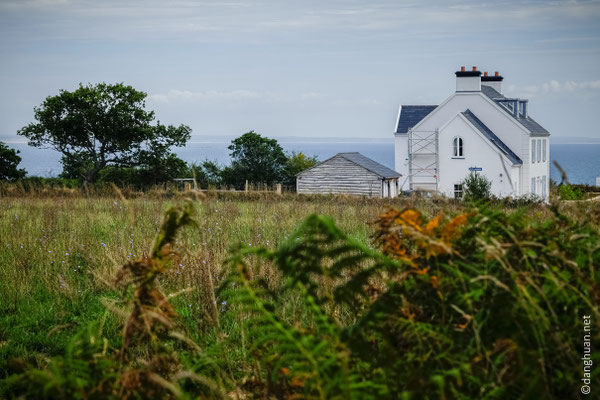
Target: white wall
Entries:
(478, 152)
(401, 154)
(515, 174)
(468, 83)
(500, 122)
(538, 170)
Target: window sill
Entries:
(457, 158)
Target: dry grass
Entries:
(60, 250)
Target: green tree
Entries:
(99, 126)
(296, 163)
(152, 173)
(256, 159)
(476, 187)
(207, 174)
(9, 162)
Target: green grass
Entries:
(59, 255)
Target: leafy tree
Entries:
(476, 187)
(207, 173)
(102, 125)
(155, 172)
(296, 163)
(256, 159)
(9, 162)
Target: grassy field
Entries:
(59, 256)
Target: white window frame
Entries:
(544, 186)
(533, 147)
(458, 145)
(544, 150)
(539, 150)
(533, 186)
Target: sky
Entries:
(326, 68)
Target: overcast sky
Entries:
(301, 68)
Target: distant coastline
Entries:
(574, 140)
(328, 139)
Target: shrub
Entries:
(568, 192)
(483, 305)
(476, 187)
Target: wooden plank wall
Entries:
(339, 176)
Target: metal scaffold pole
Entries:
(423, 160)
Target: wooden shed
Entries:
(349, 173)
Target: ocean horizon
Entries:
(581, 161)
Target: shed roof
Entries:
(529, 123)
(369, 164)
(365, 163)
(495, 140)
(410, 115)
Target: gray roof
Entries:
(363, 162)
(369, 164)
(411, 115)
(528, 123)
(492, 137)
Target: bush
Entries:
(476, 187)
(568, 192)
(483, 305)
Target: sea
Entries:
(581, 162)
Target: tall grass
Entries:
(59, 258)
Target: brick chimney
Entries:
(493, 81)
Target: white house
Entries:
(478, 129)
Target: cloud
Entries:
(183, 18)
(236, 97)
(186, 96)
(552, 86)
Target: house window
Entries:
(458, 191)
(533, 186)
(457, 144)
(544, 186)
(533, 151)
(544, 150)
(539, 150)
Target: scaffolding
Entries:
(423, 161)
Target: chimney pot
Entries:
(496, 73)
(485, 74)
(462, 69)
(474, 68)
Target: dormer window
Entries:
(457, 145)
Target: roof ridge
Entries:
(376, 168)
(491, 136)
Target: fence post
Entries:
(278, 188)
(246, 187)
